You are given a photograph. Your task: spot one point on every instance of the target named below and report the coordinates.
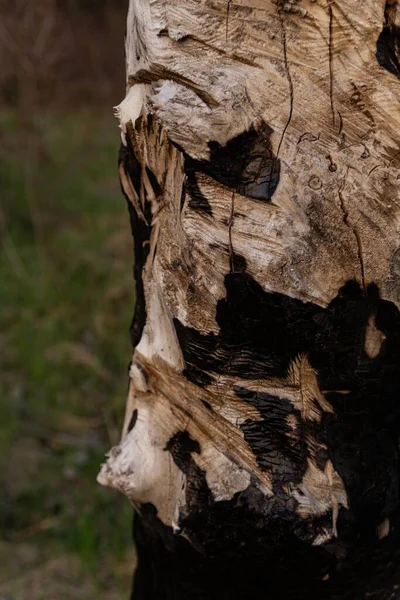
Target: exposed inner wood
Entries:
(260, 161)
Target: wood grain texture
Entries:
(260, 160)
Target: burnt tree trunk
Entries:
(260, 159)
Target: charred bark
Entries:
(260, 160)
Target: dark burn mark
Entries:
(388, 49)
(388, 44)
(133, 420)
(320, 458)
(247, 164)
(195, 374)
(239, 561)
(141, 231)
(257, 547)
(197, 200)
(198, 495)
(181, 446)
(183, 197)
(270, 441)
(259, 333)
(238, 555)
(364, 443)
(238, 263)
(262, 333)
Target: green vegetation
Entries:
(66, 300)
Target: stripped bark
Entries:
(260, 159)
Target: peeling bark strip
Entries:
(260, 161)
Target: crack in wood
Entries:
(289, 78)
(219, 51)
(330, 47)
(353, 229)
(227, 19)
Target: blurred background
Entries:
(66, 300)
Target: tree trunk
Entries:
(260, 159)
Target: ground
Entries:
(66, 302)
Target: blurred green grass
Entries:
(66, 301)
